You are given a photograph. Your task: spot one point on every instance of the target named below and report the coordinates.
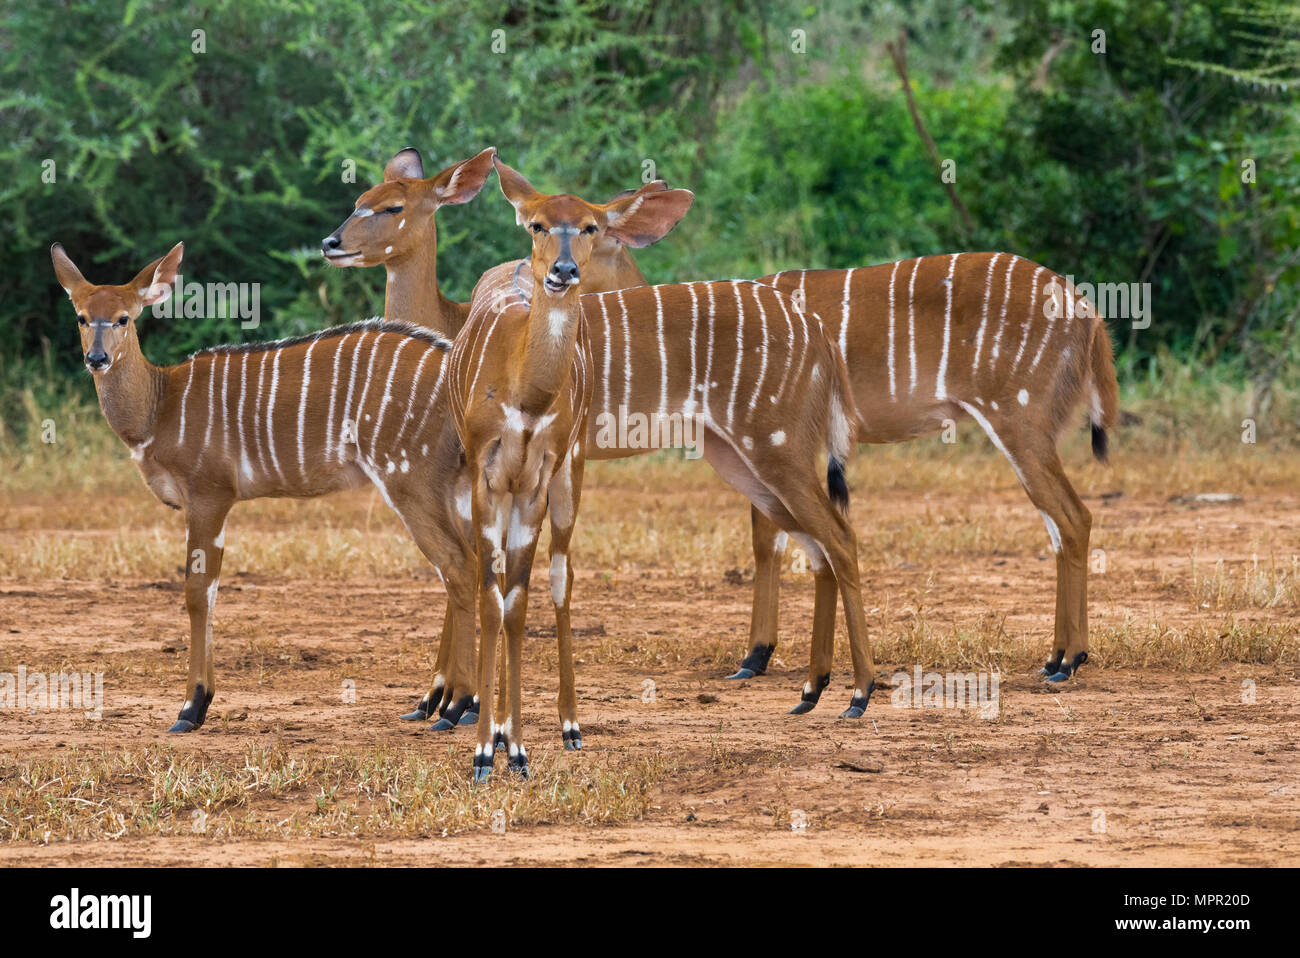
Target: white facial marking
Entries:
(362, 212)
(1023, 397)
(402, 225)
(778, 438)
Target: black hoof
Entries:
(451, 717)
(858, 704)
(1066, 671)
(194, 712)
(183, 725)
(419, 715)
(519, 764)
(483, 764)
(469, 718)
(755, 663)
(1053, 664)
(442, 725)
(810, 696)
(572, 738)
(499, 741)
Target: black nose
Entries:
(566, 271)
(96, 360)
(331, 242)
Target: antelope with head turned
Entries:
(357, 404)
(393, 225)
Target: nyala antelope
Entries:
(295, 418)
(989, 336)
(765, 386)
(393, 224)
(520, 383)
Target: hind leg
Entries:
(564, 495)
(769, 549)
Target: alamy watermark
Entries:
(638, 430)
(947, 690)
(242, 301)
(62, 690)
(1115, 300)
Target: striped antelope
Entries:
(991, 336)
(764, 438)
(393, 224)
(297, 418)
(520, 384)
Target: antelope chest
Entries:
(159, 480)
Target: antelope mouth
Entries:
(341, 258)
(554, 285)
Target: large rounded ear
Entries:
(461, 182)
(405, 165)
(516, 189)
(646, 216)
(153, 284)
(66, 271)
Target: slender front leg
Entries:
(205, 542)
(769, 551)
(489, 537)
(564, 495)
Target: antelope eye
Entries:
(121, 321)
(589, 230)
(81, 320)
(538, 228)
(393, 209)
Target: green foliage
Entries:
(784, 116)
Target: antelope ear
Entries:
(461, 182)
(646, 216)
(405, 165)
(153, 284)
(66, 271)
(516, 189)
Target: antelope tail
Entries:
(1105, 390)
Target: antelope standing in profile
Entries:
(295, 418)
(393, 225)
(991, 336)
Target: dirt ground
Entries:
(1129, 764)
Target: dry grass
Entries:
(87, 795)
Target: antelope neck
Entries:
(413, 296)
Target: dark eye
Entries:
(538, 228)
(392, 209)
(121, 321)
(589, 230)
(81, 320)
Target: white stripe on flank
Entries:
(984, 316)
(689, 408)
(1006, 299)
(844, 314)
(225, 407)
(627, 353)
(740, 353)
(270, 415)
(257, 413)
(609, 350)
(189, 381)
(432, 400)
(1051, 321)
(365, 390)
(302, 410)
(212, 404)
(239, 415)
(941, 380)
(408, 411)
(1029, 320)
(334, 391)
(347, 402)
(789, 353)
(762, 324)
(663, 352)
(911, 320)
(385, 398)
(708, 364)
(893, 389)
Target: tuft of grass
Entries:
(1237, 586)
(89, 795)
